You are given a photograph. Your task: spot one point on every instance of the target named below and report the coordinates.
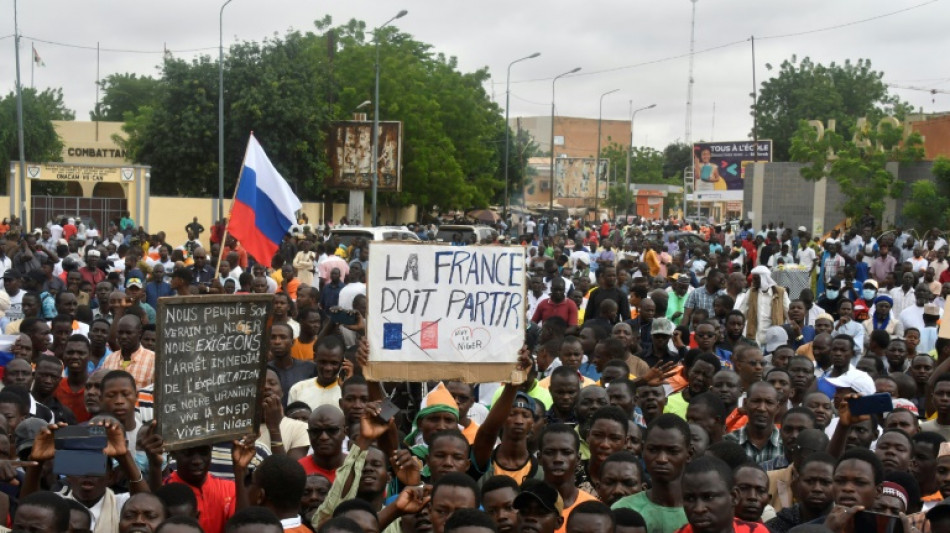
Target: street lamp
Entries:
(507, 100)
(219, 213)
(361, 106)
(600, 113)
(633, 115)
(554, 81)
(374, 158)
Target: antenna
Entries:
(689, 92)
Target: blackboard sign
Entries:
(210, 366)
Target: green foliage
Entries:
(125, 93)
(288, 90)
(40, 141)
(676, 157)
(646, 164)
(619, 198)
(804, 90)
(929, 202)
(857, 164)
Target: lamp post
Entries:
(553, 82)
(600, 115)
(19, 126)
(507, 101)
(633, 115)
(219, 212)
(374, 157)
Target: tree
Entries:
(858, 165)
(810, 91)
(619, 198)
(40, 140)
(289, 89)
(929, 202)
(646, 164)
(676, 157)
(125, 93)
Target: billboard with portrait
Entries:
(719, 167)
(350, 148)
(574, 177)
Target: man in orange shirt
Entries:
(727, 385)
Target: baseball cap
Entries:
(523, 401)
(26, 432)
(134, 282)
(872, 283)
(775, 336)
(541, 492)
(661, 326)
(11, 274)
(856, 380)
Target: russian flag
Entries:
(264, 206)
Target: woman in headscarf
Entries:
(882, 318)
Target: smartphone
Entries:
(873, 404)
(343, 317)
(79, 451)
(388, 410)
(868, 522)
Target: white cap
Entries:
(856, 380)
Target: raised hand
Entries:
(407, 468)
(153, 444)
(413, 499)
(243, 452)
(44, 447)
(115, 443)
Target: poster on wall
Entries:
(440, 312)
(719, 168)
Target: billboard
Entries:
(351, 147)
(719, 168)
(574, 177)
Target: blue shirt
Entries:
(155, 290)
(589, 370)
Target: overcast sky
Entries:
(611, 40)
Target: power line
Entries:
(852, 23)
(120, 50)
(742, 41)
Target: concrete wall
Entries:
(777, 192)
(171, 215)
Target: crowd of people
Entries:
(669, 384)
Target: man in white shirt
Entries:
(913, 316)
(529, 226)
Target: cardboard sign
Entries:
(440, 312)
(210, 365)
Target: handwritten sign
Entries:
(445, 312)
(210, 367)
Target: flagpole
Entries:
(224, 237)
(32, 64)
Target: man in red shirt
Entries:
(218, 498)
(327, 430)
(557, 305)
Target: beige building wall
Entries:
(171, 215)
(579, 134)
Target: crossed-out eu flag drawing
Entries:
(393, 336)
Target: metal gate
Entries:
(97, 210)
